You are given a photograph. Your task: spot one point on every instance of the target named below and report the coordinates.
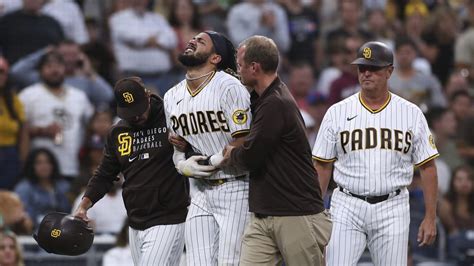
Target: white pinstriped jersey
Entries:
(210, 117)
(374, 151)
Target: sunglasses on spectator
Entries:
(363, 68)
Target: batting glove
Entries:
(191, 167)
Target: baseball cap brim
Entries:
(131, 111)
(363, 61)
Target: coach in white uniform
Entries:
(211, 109)
(373, 139)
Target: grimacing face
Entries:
(198, 51)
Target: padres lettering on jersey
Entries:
(374, 151)
(200, 122)
(372, 138)
(209, 118)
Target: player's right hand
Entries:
(191, 167)
(82, 214)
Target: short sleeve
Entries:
(236, 106)
(424, 148)
(324, 148)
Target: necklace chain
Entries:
(188, 78)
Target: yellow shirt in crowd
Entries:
(9, 127)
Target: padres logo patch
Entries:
(367, 53)
(431, 141)
(239, 117)
(128, 97)
(55, 233)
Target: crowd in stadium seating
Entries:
(59, 60)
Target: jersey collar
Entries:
(377, 110)
(201, 86)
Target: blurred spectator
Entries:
(416, 13)
(456, 208)
(56, 114)
(143, 42)
(462, 106)
(317, 107)
(99, 52)
(457, 81)
(11, 253)
(348, 82)
(301, 83)
(213, 13)
(42, 189)
(415, 86)
(99, 127)
(14, 139)
(108, 213)
(7, 6)
(304, 33)
(379, 27)
(13, 214)
(259, 17)
(464, 47)
(79, 73)
(439, 39)
(443, 125)
(337, 62)
(69, 15)
(350, 14)
(27, 30)
(101, 10)
(185, 20)
(120, 255)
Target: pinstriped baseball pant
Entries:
(157, 245)
(382, 227)
(215, 224)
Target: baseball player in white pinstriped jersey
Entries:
(373, 139)
(211, 109)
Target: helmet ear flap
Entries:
(64, 234)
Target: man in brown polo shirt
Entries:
(289, 221)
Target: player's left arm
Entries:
(429, 179)
(424, 153)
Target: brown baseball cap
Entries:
(131, 97)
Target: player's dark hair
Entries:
(261, 50)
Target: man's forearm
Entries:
(324, 173)
(429, 181)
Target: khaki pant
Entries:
(296, 240)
